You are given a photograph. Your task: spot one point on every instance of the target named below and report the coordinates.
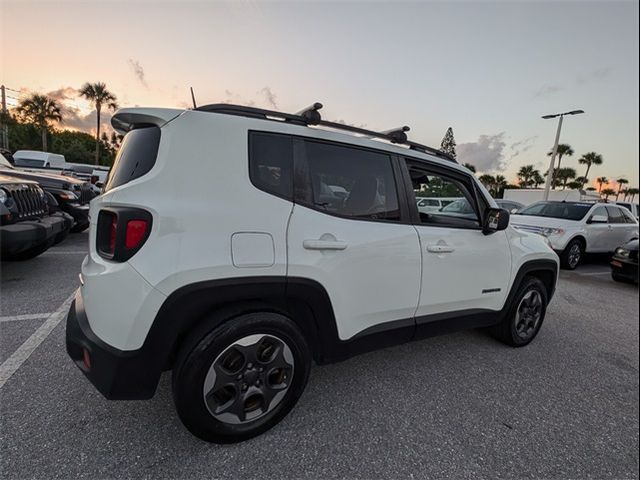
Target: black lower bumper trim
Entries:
(117, 374)
(23, 236)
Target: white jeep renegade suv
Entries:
(236, 245)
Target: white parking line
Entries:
(28, 316)
(589, 274)
(15, 361)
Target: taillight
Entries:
(121, 232)
(136, 232)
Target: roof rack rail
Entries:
(311, 116)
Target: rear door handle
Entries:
(324, 245)
(440, 249)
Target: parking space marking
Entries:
(590, 274)
(15, 361)
(28, 316)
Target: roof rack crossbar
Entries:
(311, 116)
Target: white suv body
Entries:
(222, 219)
(574, 228)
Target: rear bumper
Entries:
(117, 374)
(22, 236)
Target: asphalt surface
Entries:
(458, 406)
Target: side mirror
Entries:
(598, 219)
(495, 219)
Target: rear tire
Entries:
(241, 378)
(572, 255)
(525, 316)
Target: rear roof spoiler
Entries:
(127, 119)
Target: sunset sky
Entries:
(489, 70)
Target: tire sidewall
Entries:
(565, 254)
(527, 286)
(193, 365)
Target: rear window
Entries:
(270, 163)
(136, 156)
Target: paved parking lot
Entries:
(461, 406)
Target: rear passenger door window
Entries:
(348, 182)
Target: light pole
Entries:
(552, 164)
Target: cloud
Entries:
(546, 90)
(232, 97)
(138, 71)
(521, 146)
(487, 154)
(594, 75)
(270, 97)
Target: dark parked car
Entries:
(71, 194)
(624, 263)
(28, 226)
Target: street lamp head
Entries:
(546, 117)
(574, 112)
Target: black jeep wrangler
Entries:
(72, 194)
(28, 226)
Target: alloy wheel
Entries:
(248, 379)
(529, 314)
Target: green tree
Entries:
(448, 144)
(564, 175)
(489, 182)
(526, 174)
(621, 182)
(602, 181)
(563, 149)
(589, 159)
(500, 184)
(471, 168)
(100, 96)
(41, 111)
(607, 192)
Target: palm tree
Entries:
(537, 179)
(470, 167)
(563, 149)
(633, 192)
(621, 182)
(607, 192)
(41, 110)
(589, 159)
(526, 175)
(564, 175)
(582, 181)
(500, 184)
(489, 182)
(602, 181)
(99, 95)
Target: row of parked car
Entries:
(41, 204)
(572, 228)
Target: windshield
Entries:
(28, 162)
(4, 163)
(564, 210)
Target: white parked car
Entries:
(431, 204)
(297, 241)
(632, 207)
(574, 228)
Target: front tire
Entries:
(525, 316)
(240, 379)
(572, 255)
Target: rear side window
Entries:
(136, 156)
(270, 163)
(615, 215)
(348, 182)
